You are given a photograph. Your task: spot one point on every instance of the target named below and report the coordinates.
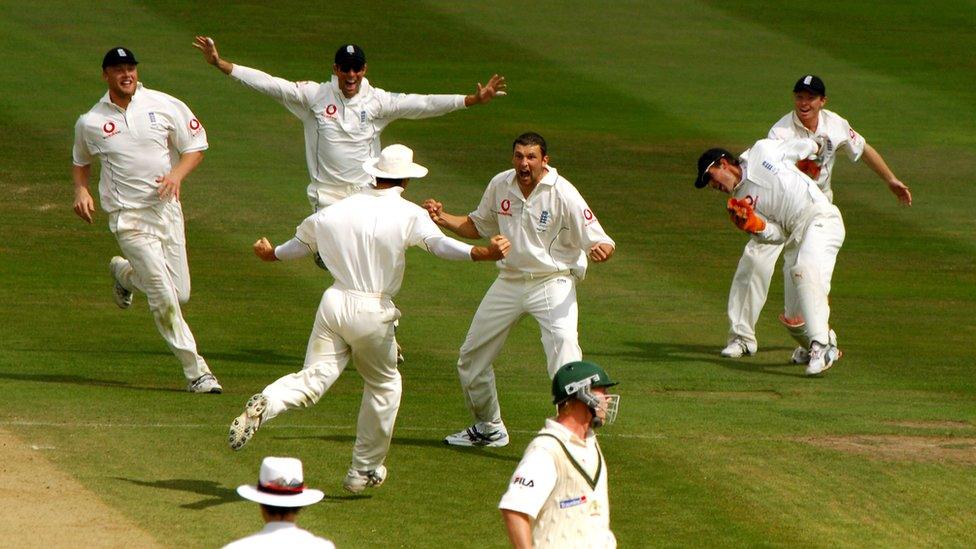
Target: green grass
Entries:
(706, 451)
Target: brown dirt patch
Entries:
(44, 507)
(902, 448)
(939, 424)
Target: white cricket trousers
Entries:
(358, 326)
(153, 242)
(808, 268)
(750, 288)
(550, 300)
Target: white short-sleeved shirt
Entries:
(551, 231)
(839, 137)
(341, 134)
(281, 534)
(136, 145)
(779, 192)
(362, 239)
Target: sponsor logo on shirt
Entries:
(588, 217)
(330, 111)
(572, 502)
(853, 134)
(195, 126)
(506, 207)
(109, 129)
(522, 481)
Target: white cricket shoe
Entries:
(245, 425)
(802, 356)
(822, 357)
(480, 434)
(206, 383)
(357, 481)
(738, 348)
(123, 297)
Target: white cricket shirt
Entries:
(839, 136)
(341, 134)
(136, 145)
(565, 495)
(281, 534)
(551, 231)
(362, 239)
(779, 192)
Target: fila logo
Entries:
(522, 481)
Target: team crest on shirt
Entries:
(109, 129)
(544, 218)
(572, 502)
(362, 117)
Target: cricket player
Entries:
(344, 117)
(557, 496)
(552, 231)
(148, 143)
(776, 203)
(750, 285)
(362, 240)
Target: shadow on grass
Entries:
(79, 380)
(487, 453)
(258, 356)
(216, 494)
(653, 351)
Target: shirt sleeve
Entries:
(306, 233)
(415, 106)
(293, 249)
(853, 143)
(531, 484)
(188, 134)
(292, 95)
(485, 217)
(448, 248)
(80, 153)
(583, 224)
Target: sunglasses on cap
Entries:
(706, 175)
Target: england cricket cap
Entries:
(811, 83)
(118, 56)
(281, 484)
(350, 54)
(705, 161)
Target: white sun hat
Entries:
(394, 162)
(281, 484)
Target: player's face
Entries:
(601, 410)
(722, 176)
(121, 79)
(808, 106)
(350, 77)
(529, 163)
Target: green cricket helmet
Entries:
(574, 380)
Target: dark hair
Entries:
(278, 512)
(530, 138)
(388, 181)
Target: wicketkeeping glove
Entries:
(744, 216)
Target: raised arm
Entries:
(462, 226)
(878, 165)
(496, 87)
(206, 45)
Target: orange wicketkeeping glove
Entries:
(809, 167)
(744, 217)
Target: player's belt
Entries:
(518, 275)
(358, 293)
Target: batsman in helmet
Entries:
(558, 494)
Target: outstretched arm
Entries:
(878, 165)
(293, 249)
(462, 226)
(206, 45)
(496, 87)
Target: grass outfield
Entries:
(879, 452)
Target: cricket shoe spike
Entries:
(357, 481)
(245, 425)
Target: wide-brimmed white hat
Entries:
(394, 162)
(281, 484)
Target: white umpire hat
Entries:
(281, 484)
(394, 162)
